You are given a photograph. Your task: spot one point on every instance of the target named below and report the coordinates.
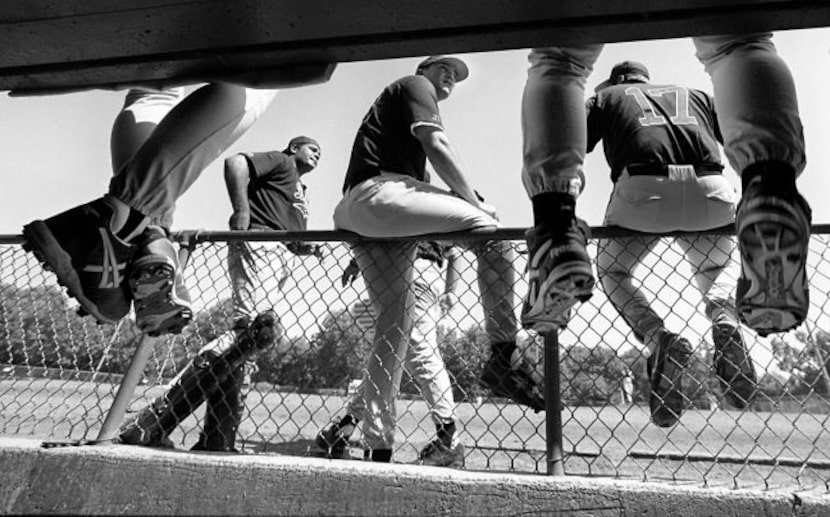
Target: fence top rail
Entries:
(192, 237)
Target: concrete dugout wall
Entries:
(134, 480)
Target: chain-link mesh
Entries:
(59, 373)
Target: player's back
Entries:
(641, 123)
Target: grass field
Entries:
(721, 448)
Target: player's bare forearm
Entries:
(236, 181)
(453, 275)
(445, 161)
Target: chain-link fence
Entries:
(59, 373)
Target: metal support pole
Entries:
(107, 351)
(112, 422)
(553, 406)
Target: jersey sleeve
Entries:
(593, 114)
(420, 106)
(715, 124)
(266, 164)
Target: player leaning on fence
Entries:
(661, 142)
(266, 193)
(386, 194)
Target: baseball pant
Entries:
(396, 205)
(715, 276)
(680, 201)
(423, 358)
(754, 96)
(257, 269)
(195, 132)
(143, 109)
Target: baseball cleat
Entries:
(736, 373)
(773, 229)
(334, 438)
(515, 384)
(559, 277)
(162, 303)
(438, 454)
(87, 258)
(665, 370)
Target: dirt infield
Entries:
(727, 449)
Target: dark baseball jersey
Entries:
(275, 193)
(644, 124)
(385, 139)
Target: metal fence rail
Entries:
(59, 373)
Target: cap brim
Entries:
(460, 67)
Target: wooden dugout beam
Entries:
(50, 46)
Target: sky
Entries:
(56, 148)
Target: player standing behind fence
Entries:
(266, 193)
(661, 143)
(386, 194)
(763, 139)
(423, 359)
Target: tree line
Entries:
(38, 329)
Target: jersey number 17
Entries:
(673, 99)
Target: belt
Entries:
(660, 169)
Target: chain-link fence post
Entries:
(553, 406)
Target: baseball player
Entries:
(763, 140)
(93, 248)
(667, 177)
(385, 195)
(423, 359)
(266, 193)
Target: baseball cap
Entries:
(298, 141)
(461, 70)
(622, 72)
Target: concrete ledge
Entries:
(133, 480)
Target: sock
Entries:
(349, 419)
(503, 351)
(132, 227)
(446, 432)
(778, 176)
(126, 223)
(554, 210)
(378, 455)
